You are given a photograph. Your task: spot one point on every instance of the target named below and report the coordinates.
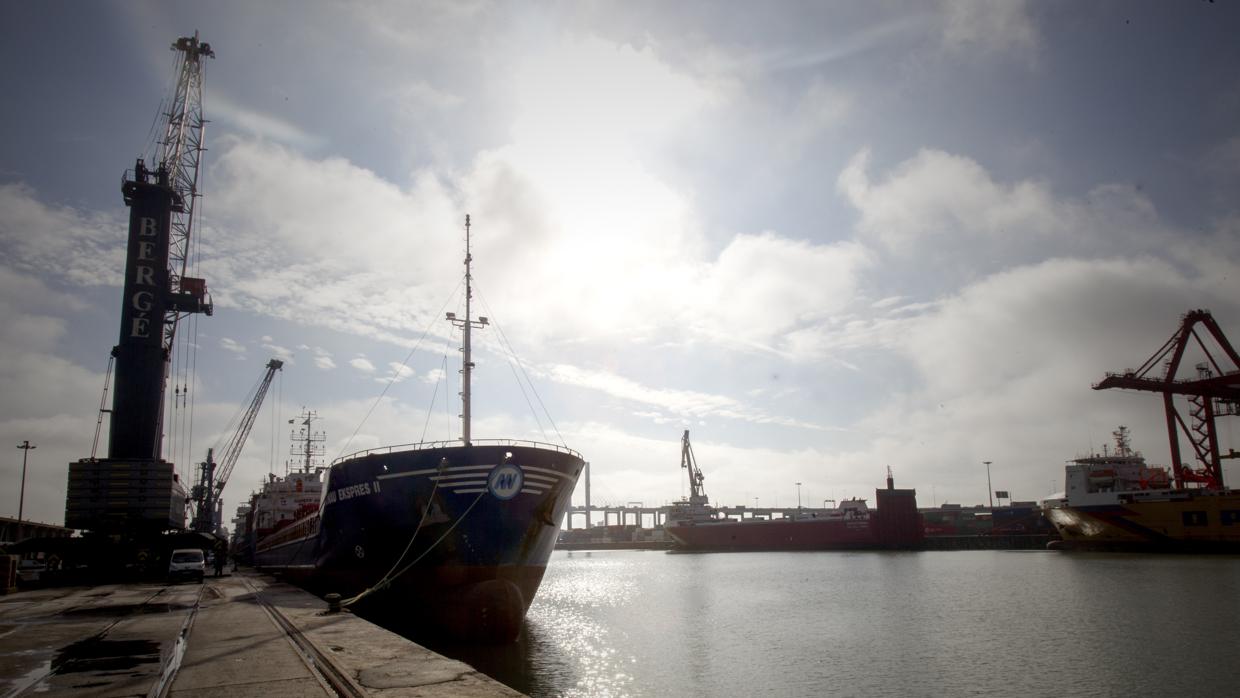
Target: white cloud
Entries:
(50, 401)
(686, 404)
(398, 373)
(419, 96)
(86, 249)
(571, 202)
(228, 344)
(324, 362)
(762, 286)
(266, 126)
(362, 364)
(946, 216)
(990, 26)
(936, 198)
(433, 376)
(283, 353)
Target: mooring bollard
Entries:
(333, 603)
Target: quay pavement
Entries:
(240, 635)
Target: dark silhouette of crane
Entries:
(212, 476)
(1213, 391)
(697, 493)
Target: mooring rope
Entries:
(430, 501)
(389, 578)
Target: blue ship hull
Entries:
(457, 537)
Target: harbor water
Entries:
(644, 623)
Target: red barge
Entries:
(852, 525)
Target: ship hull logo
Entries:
(505, 481)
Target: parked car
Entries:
(187, 563)
(30, 569)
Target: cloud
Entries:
(641, 270)
(85, 249)
(946, 214)
(283, 353)
(265, 126)
(399, 373)
(686, 404)
(50, 401)
(762, 286)
(324, 362)
(419, 96)
(989, 26)
(362, 364)
(433, 376)
(232, 345)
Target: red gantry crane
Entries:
(1212, 392)
(212, 476)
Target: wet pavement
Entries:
(239, 635)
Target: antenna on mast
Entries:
(467, 324)
(307, 443)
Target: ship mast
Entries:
(311, 442)
(466, 325)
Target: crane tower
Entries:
(134, 488)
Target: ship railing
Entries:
(307, 526)
(428, 445)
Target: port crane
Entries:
(697, 493)
(180, 152)
(1213, 391)
(212, 475)
(121, 493)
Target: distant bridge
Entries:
(657, 516)
(12, 531)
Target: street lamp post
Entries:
(989, 491)
(798, 495)
(25, 446)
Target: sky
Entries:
(827, 238)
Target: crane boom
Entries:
(180, 153)
(214, 475)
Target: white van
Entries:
(187, 563)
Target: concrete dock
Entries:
(239, 635)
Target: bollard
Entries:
(333, 603)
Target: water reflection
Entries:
(630, 623)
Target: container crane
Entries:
(212, 475)
(1213, 392)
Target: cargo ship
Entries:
(851, 525)
(1114, 501)
(448, 536)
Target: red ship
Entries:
(852, 525)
